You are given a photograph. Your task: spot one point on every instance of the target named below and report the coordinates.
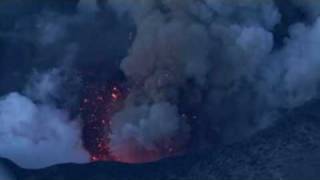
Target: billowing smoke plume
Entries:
(223, 54)
(34, 132)
(295, 75)
(138, 131)
(195, 73)
(184, 45)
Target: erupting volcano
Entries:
(97, 108)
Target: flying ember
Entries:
(97, 108)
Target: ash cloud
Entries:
(227, 50)
(144, 129)
(294, 74)
(198, 72)
(197, 41)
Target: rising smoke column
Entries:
(225, 52)
(178, 42)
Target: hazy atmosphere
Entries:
(138, 81)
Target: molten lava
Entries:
(97, 108)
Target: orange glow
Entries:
(115, 94)
(97, 108)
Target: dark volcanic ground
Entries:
(288, 150)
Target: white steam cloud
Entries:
(36, 135)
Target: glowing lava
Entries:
(97, 108)
(135, 154)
